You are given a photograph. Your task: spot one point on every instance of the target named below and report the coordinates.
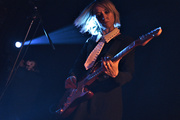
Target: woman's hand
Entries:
(70, 82)
(110, 68)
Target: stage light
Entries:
(18, 44)
(66, 35)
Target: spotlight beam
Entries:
(67, 35)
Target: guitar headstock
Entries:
(144, 39)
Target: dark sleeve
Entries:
(78, 68)
(126, 67)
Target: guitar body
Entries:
(75, 97)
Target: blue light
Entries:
(66, 35)
(18, 44)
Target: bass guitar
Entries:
(73, 97)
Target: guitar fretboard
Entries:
(125, 51)
(143, 40)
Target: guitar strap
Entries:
(97, 50)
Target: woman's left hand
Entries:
(110, 68)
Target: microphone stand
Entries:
(13, 70)
(47, 35)
(41, 22)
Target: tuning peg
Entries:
(141, 37)
(152, 31)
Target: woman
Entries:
(101, 20)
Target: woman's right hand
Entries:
(71, 82)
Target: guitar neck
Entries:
(125, 51)
(141, 41)
(121, 54)
(118, 56)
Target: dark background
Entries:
(153, 94)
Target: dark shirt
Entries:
(106, 104)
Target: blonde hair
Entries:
(89, 23)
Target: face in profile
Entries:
(105, 17)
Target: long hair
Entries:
(87, 20)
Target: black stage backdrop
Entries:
(153, 94)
